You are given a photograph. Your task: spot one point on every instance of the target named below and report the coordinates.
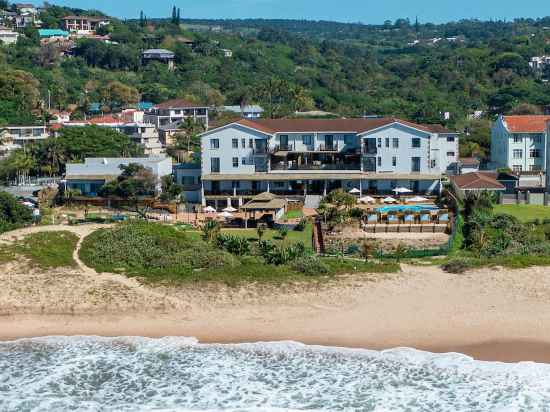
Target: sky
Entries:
(365, 11)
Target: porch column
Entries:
(228, 201)
(240, 201)
(360, 188)
(268, 187)
(305, 187)
(203, 200)
(324, 187)
(234, 190)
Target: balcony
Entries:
(322, 166)
(328, 147)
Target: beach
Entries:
(490, 314)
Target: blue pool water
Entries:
(403, 208)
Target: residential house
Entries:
(520, 143)
(246, 112)
(146, 136)
(189, 176)
(23, 135)
(310, 157)
(176, 111)
(464, 165)
(8, 36)
(90, 176)
(84, 24)
(539, 63)
(476, 182)
(227, 53)
(26, 8)
(159, 55)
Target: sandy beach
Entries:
(490, 314)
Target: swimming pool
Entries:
(403, 208)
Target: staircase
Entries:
(318, 242)
(312, 201)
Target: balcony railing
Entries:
(328, 147)
(324, 166)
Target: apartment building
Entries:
(84, 24)
(176, 111)
(519, 143)
(146, 136)
(310, 157)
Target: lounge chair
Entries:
(408, 218)
(393, 219)
(372, 218)
(443, 217)
(425, 218)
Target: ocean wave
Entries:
(181, 374)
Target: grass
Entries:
(162, 254)
(524, 213)
(304, 236)
(293, 214)
(46, 249)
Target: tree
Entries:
(174, 15)
(116, 95)
(134, 184)
(189, 138)
(178, 17)
(13, 214)
(170, 189)
(19, 91)
(210, 230)
(260, 230)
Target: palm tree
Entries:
(191, 129)
(54, 156)
(210, 230)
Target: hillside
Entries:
(348, 69)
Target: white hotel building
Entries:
(310, 157)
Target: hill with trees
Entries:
(288, 66)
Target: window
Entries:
(379, 142)
(394, 161)
(379, 161)
(279, 184)
(235, 162)
(415, 142)
(243, 143)
(537, 139)
(516, 168)
(534, 153)
(450, 139)
(307, 139)
(450, 154)
(188, 180)
(244, 161)
(433, 163)
(518, 138)
(235, 184)
(214, 143)
(349, 139)
(395, 143)
(517, 153)
(235, 143)
(387, 142)
(215, 165)
(415, 164)
(535, 168)
(251, 143)
(36, 132)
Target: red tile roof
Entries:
(477, 181)
(177, 104)
(527, 124)
(353, 125)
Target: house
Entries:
(310, 157)
(520, 143)
(90, 176)
(159, 55)
(84, 24)
(476, 182)
(264, 206)
(246, 112)
(23, 135)
(464, 165)
(144, 135)
(26, 8)
(176, 111)
(189, 176)
(59, 117)
(8, 36)
(227, 53)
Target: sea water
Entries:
(180, 374)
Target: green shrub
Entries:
(301, 226)
(353, 249)
(280, 255)
(235, 245)
(309, 265)
(457, 266)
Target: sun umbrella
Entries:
(354, 191)
(389, 199)
(417, 199)
(225, 215)
(28, 204)
(229, 209)
(402, 190)
(366, 199)
(209, 209)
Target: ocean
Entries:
(180, 374)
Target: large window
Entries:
(415, 164)
(450, 139)
(235, 162)
(235, 143)
(214, 143)
(379, 161)
(534, 153)
(243, 143)
(518, 138)
(394, 161)
(395, 143)
(349, 139)
(415, 142)
(450, 154)
(517, 168)
(517, 153)
(307, 139)
(379, 143)
(387, 142)
(215, 165)
(537, 139)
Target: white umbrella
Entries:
(417, 199)
(354, 191)
(366, 199)
(402, 190)
(389, 199)
(28, 204)
(229, 209)
(225, 215)
(209, 209)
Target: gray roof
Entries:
(105, 167)
(245, 109)
(159, 52)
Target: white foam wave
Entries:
(180, 374)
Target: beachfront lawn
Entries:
(161, 253)
(293, 214)
(524, 213)
(293, 236)
(46, 249)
